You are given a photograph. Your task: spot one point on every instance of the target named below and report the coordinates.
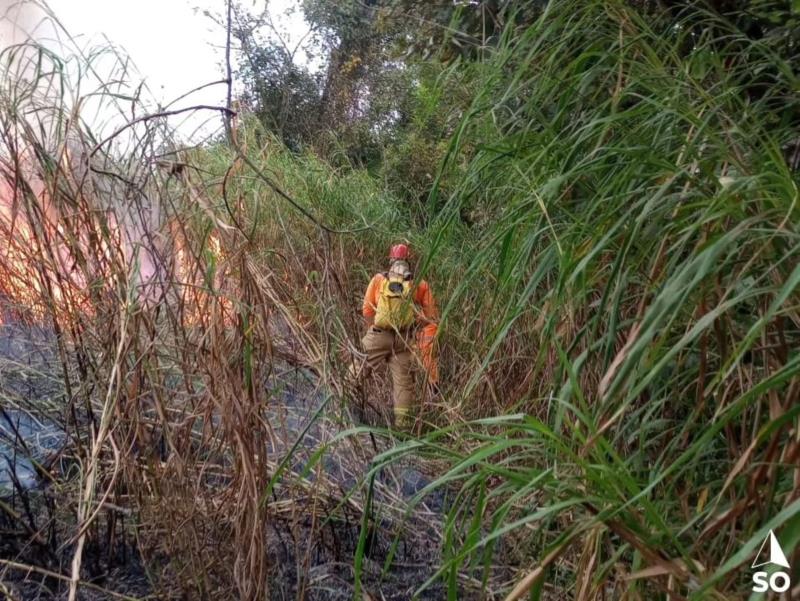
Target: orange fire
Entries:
(200, 281)
(59, 267)
(25, 282)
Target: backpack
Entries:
(395, 310)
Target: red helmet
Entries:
(399, 251)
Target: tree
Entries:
(283, 93)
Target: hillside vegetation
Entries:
(604, 197)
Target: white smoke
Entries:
(46, 90)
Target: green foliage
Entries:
(604, 196)
(605, 200)
(369, 95)
(283, 95)
(633, 285)
(605, 204)
(410, 167)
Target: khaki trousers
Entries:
(386, 346)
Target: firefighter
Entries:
(400, 311)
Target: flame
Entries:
(24, 281)
(35, 288)
(60, 266)
(202, 281)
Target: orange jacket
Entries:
(423, 298)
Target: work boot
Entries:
(403, 420)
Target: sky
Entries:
(174, 44)
(171, 42)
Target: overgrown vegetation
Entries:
(604, 197)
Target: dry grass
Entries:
(183, 436)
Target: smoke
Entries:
(27, 20)
(44, 95)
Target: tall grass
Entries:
(619, 328)
(198, 324)
(172, 332)
(621, 319)
(632, 293)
